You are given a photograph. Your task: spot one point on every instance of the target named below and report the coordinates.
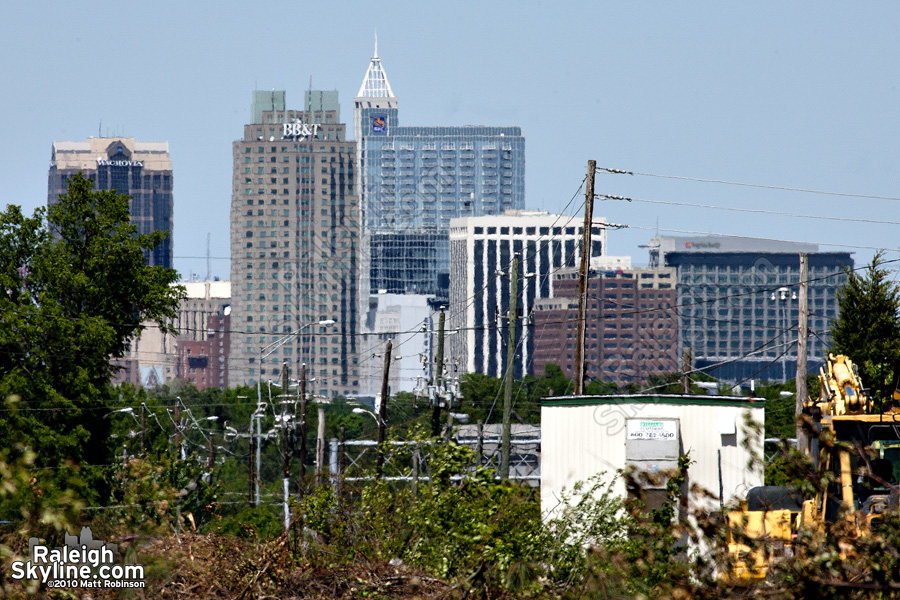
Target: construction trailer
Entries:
(644, 435)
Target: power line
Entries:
(748, 210)
(752, 185)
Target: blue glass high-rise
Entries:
(415, 179)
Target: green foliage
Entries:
(40, 507)
(780, 405)
(483, 395)
(320, 511)
(652, 542)
(467, 527)
(143, 487)
(480, 521)
(76, 289)
(868, 326)
(590, 515)
(480, 392)
(791, 468)
(259, 523)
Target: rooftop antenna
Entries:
(207, 256)
(100, 129)
(376, 44)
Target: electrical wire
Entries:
(752, 185)
(748, 210)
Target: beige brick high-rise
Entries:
(294, 245)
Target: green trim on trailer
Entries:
(673, 399)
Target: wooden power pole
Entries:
(802, 394)
(382, 408)
(511, 323)
(438, 379)
(302, 474)
(583, 277)
(686, 370)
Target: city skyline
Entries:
(798, 96)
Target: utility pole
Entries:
(479, 445)
(686, 370)
(382, 409)
(252, 478)
(258, 457)
(801, 393)
(342, 461)
(177, 429)
(438, 380)
(143, 425)
(302, 427)
(211, 459)
(256, 448)
(320, 445)
(287, 447)
(511, 324)
(583, 277)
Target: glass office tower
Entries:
(416, 179)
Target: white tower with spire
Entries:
(375, 100)
(375, 92)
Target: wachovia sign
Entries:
(119, 163)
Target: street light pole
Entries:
(263, 353)
(302, 427)
(782, 296)
(320, 444)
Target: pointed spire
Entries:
(375, 83)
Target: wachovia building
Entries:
(142, 170)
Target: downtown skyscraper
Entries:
(415, 179)
(295, 232)
(142, 170)
(481, 253)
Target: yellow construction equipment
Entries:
(857, 455)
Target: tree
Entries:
(74, 290)
(868, 326)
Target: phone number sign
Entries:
(648, 429)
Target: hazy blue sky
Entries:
(784, 94)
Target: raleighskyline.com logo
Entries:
(82, 563)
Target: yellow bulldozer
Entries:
(856, 451)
